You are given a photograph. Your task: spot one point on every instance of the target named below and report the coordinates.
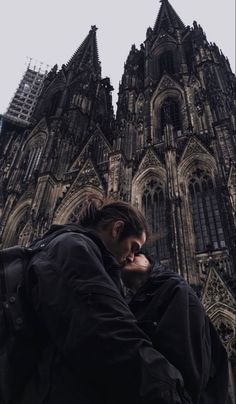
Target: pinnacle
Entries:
(88, 50)
(167, 18)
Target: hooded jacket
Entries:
(170, 313)
(91, 349)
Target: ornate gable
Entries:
(193, 147)
(96, 140)
(220, 306)
(87, 176)
(40, 127)
(216, 292)
(150, 159)
(87, 180)
(167, 83)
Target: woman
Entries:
(169, 311)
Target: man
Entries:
(168, 310)
(92, 351)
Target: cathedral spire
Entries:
(86, 56)
(167, 18)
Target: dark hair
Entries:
(98, 213)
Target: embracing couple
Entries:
(116, 326)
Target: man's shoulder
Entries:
(75, 235)
(66, 236)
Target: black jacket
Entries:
(92, 350)
(169, 311)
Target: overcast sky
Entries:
(50, 31)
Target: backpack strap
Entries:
(49, 236)
(14, 262)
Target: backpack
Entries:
(18, 329)
(21, 334)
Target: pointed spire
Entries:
(167, 18)
(87, 53)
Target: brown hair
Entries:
(98, 213)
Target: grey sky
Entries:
(50, 31)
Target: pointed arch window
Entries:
(34, 157)
(154, 208)
(166, 63)
(54, 103)
(18, 230)
(73, 217)
(205, 212)
(33, 154)
(170, 113)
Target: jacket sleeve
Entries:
(94, 330)
(183, 336)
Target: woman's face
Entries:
(139, 264)
(134, 274)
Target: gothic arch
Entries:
(36, 138)
(55, 88)
(221, 311)
(197, 160)
(140, 177)
(164, 52)
(205, 212)
(16, 223)
(33, 151)
(68, 206)
(201, 160)
(169, 91)
(166, 88)
(149, 194)
(189, 165)
(224, 319)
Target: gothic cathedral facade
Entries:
(171, 151)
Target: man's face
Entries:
(124, 250)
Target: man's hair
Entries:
(98, 213)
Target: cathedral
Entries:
(170, 151)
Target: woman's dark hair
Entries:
(98, 213)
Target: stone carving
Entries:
(73, 217)
(166, 83)
(87, 176)
(149, 160)
(193, 147)
(227, 335)
(96, 148)
(199, 99)
(26, 232)
(216, 292)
